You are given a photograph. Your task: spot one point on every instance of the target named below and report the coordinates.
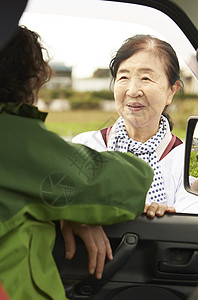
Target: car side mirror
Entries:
(191, 157)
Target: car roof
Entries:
(182, 12)
(10, 13)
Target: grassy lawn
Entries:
(71, 123)
(193, 169)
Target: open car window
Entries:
(85, 34)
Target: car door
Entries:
(153, 259)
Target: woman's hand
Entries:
(95, 240)
(156, 209)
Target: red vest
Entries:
(175, 141)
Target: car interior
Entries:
(153, 258)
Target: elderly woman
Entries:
(146, 76)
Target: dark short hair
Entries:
(163, 51)
(23, 69)
(139, 43)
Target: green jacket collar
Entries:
(23, 110)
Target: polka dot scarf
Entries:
(146, 151)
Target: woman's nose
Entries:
(134, 89)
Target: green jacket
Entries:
(44, 178)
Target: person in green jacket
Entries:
(44, 178)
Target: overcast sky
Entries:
(86, 43)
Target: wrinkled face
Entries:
(142, 90)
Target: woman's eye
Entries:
(123, 77)
(146, 78)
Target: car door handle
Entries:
(90, 286)
(179, 267)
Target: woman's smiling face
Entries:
(142, 90)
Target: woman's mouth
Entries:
(135, 106)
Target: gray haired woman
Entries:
(146, 76)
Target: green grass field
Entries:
(193, 168)
(71, 123)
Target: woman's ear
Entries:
(173, 90)
(175, 87)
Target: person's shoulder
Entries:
(84, 136)
(177, 152)
(92, 139)
(175, 157)
(178, 149)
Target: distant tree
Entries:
(101, 73)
